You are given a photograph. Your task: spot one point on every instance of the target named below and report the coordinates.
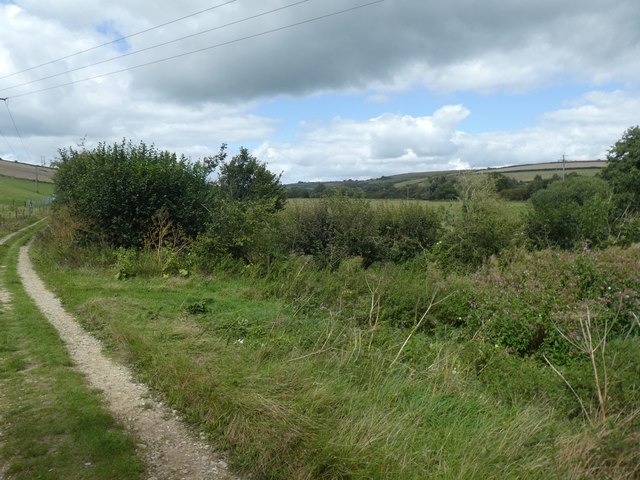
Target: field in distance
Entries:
(14, 191)
(523, 173)
(26, 171)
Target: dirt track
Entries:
(170, 450)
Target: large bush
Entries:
(623, 170)
(484, 228)
(337, 227)
(566, 213)
(242, 214)
(114, 191)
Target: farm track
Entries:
(170, 450)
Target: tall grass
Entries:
(15, 213)
(349, 373)
(52, 426)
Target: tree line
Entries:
(135, 196)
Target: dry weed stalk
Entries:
(415, 328)
(374, 309)
(164, 237)
(595, 349)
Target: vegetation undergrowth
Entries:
(394, 371)
(21, 204)
(332, 339)
(52, 426)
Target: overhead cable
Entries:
(199, 50)
(6, 103)
(128, 54)
(118, 39)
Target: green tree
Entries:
(114, 191)
(482, 229)
(623, 170)
(565, 213)
(245, 179)
(242, 213)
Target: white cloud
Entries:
(392, 144)
(444, 46)
(194, 103)
(361, 149)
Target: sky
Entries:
(323, 90)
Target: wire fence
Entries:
(18, 210)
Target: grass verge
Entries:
(52, 426)
(316, 395)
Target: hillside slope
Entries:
(26, 171)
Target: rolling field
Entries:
(16, 192)
(26, 171)
(524, 173)
(14, 195)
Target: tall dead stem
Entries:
(595, 349)
(415, 328)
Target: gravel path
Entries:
(169, 449)
(4, 240)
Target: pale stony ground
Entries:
(5, 304)
(170, 450)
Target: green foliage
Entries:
(126, 263)
(245, 179)
(242, 215)
(623, 170)
(238, 231)
(115, 190)
(337, 227)
(406, 231)
(566, 213)
(197, 308)
(481, 230)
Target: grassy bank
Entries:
(16, 191)
(390, 372)
(14, 212)
(52, 426)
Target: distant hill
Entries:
(26, 171)
(441, 184)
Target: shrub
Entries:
(334, 228)
(482, 230)
(238, 233)
(405, 231)
(117, 189)
(566, 213)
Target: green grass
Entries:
(448, 204)
(52, 426)
(15, 191)
(318, 395)
(529, 175)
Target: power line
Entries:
(211, 47)
(220, 27)
(8, 144)
(118, 39)
(5, 138)
(6, 104)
